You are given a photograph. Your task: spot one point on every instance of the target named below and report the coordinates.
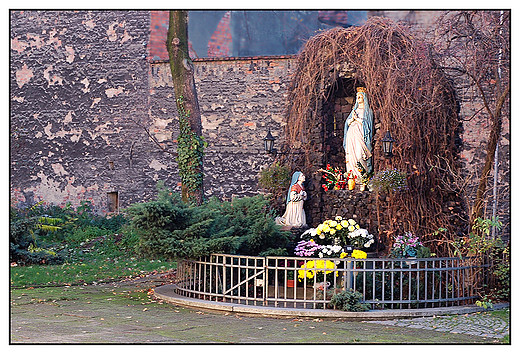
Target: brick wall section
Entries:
(220, 41)
(240, 99)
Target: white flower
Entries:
(322, 236)
(320, 255)
(312, 232)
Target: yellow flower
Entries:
(338, 218)
(339, 227)
(351, 228)
(318, 232)
(342, 255)
(308, 271)
(311, 240)
(333, 223)
(326, 228)
(319, 228)
(344, 223)
(359, 254)
(332, 231)
(352, 221)
(357, 227)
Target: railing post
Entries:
(350, 276)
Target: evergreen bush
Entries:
(349, 300)
(170, 228)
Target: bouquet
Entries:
(358, 254)
(331, 177)
(306, 248)
(389, 181)
(340, 232)
(405, 246)
(332, 251)
(307, 270)
(360, 238)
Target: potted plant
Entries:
(290, 279)
(408, 246)
(365, 176)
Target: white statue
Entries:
(357, 140)
(294, 214)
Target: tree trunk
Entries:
(185, 93)
(494, 134)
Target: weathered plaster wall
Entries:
(78, 79)
(81, 86)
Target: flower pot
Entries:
(290, 283)
(351, 184)
(411, 261)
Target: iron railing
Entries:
(385, 283)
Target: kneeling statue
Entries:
(294, 214)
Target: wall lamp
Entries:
(388, 142)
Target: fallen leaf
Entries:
(145, 309)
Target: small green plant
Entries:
(349, 300)
(275, 179)
(389, 181)
(484, 303)
(478, 241)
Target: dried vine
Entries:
(410, 97)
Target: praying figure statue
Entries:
(294, 214)
(357, 139)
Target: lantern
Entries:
(388, 142)
(269, 142)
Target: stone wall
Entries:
(83, 86)
(239, 101)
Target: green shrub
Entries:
(38, 233)
(170, 228)
(275, 178)
(27, 226)
(349, 300)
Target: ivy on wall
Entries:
(190, 150)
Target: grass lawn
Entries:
(102, 259)
(87, 272)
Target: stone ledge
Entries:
(167, 293)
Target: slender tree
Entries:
(190, 142)
(474, 49)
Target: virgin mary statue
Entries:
(357, 139)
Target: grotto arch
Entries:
(410, 97)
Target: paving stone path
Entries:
(479, 324)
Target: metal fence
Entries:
(385, 283)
